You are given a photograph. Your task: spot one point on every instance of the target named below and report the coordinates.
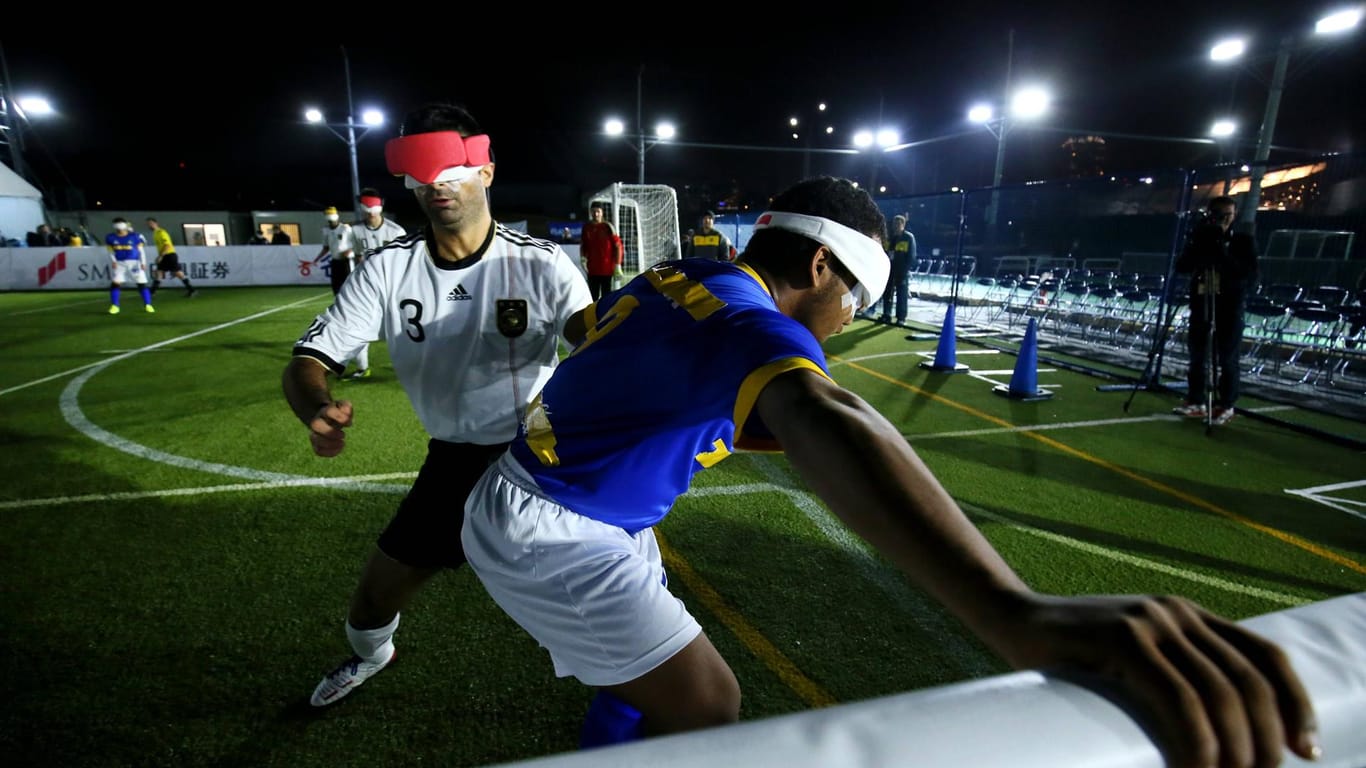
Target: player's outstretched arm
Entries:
(576, 328)
(1215, 693)
(306, 390)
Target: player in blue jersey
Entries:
(708, 357)
(128, 258)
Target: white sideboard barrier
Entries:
(1020, 720)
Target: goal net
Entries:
(646, 217)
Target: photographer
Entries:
(1222, 264)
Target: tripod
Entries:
(1151, 378)
(1210, 286)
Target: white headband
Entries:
(859, 253)
(456, 173)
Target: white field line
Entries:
(358, 483)
(1353, 507)
(848, 541)
(886, 578)
(1138, 562)
(1044, 427)
(71, 411)
(1072, 425)
(1333, 487)
(967, 660)
(54, 306)
(157, 345)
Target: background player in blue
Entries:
(128, 258)
(472, 313)
(558, 530)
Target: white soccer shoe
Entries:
(345, 679)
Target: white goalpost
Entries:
(646, 217)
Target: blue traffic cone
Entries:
(945, 357)
(1024, 383)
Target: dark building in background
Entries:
(1086, 156)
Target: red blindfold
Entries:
(425, 155)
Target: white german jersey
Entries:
(368, 239)
(340, 240)
(453, 330)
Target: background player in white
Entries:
(371, 232)
(128, 258)
(473, 313)
(340, 241)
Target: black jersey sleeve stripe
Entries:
(521, 238)
(332, 365)
(402, 241)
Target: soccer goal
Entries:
(646, 217)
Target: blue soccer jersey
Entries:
(662, 387)
(125, 247)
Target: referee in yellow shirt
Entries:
(167, 260)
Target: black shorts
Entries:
(341, 269)
(169, 262)
(425, 532)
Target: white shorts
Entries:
(591, 594)
(124, 269)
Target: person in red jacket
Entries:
(600, 251)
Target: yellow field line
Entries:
(1288, 538)
(753, 639)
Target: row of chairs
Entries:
(1297, 334)
(1308, 334)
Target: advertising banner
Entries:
(68, 269)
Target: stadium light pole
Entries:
(370, 118)
(1232, 50)
(1029, 103)
(14, 114)
(1222, 132)
(664, 130)
(882, 139)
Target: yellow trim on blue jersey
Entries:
(590, 315)
(683, 291)
(712, 458)
(750, 388)
(540, 436)
(621, 309)
(747, 269)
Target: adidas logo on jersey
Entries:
(458, 293)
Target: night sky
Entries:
(160, 121)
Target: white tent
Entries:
(21, 206)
